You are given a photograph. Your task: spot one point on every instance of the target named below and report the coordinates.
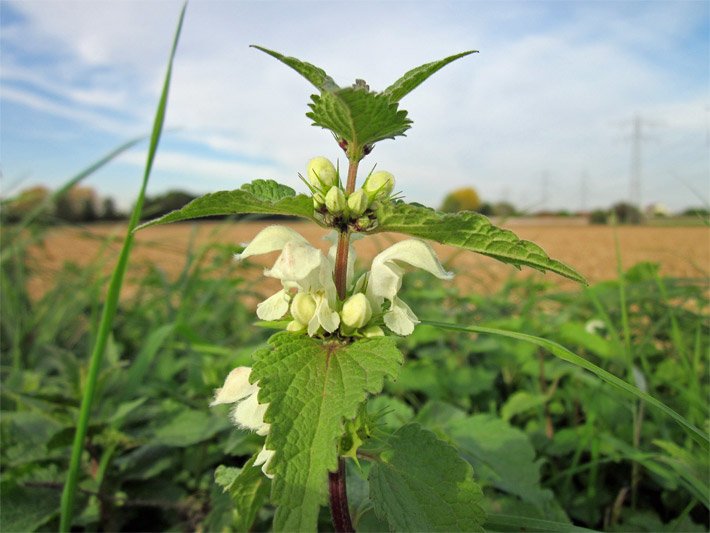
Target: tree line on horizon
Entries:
(82, 204)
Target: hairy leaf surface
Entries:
(311, 387)
(415, 77)
(359, 116)
(260, 196)
(470, 231)
(421, 484)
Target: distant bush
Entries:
(599, 216)
(626, 213)
(156, 206)
(465, 199)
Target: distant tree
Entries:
(486, 209)
(696, 212)
(156, 206)
(88, 211)
(109, 211)
(465, 199)
(626, 213)
(14, 209)
(78, 204)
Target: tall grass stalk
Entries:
(559, 351)
(109, 309)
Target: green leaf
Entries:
(311, 387)
(413, 78)
(26, 509)
(248, 489)
(187, 428)
(470, 231)
(503, 522)
(260, 196)
(421, 484)
(501, 455)
(317, 76)
(563, 353)
(359, 116)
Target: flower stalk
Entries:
(337, 486)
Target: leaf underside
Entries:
(421, 484)
(470, 231)
(260, 196)
(248, 489)
(311, 387)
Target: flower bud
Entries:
(335, 200)
(379, 184)
(364, 223)
(322, 173)
(356, 311)
(295, 326)
(358, 202)
(318, 201)
(303, 307)
(373, 331)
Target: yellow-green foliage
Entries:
(464, 199)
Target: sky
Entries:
(542, 116)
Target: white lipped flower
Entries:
(299, 267)
(385, 280)
(248, 412)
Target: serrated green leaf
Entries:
(359, 116)
(316, 75)
(260, 196)
(470, 231)
(421, 484)
(501, 455)
(248, 489)
(311, 387)
(415, 77)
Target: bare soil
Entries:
(681, 251)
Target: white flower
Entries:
(248, 413)
(385, 280)
(300, 267)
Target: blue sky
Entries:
(549, 98)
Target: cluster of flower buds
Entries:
(354, 211)
(354, 318)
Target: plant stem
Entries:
(336, 480)
(341, 256)
(339, 499)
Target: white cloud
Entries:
(546, 93)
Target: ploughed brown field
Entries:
(681, 251)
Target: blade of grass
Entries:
(111, 304)
(563, 353)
